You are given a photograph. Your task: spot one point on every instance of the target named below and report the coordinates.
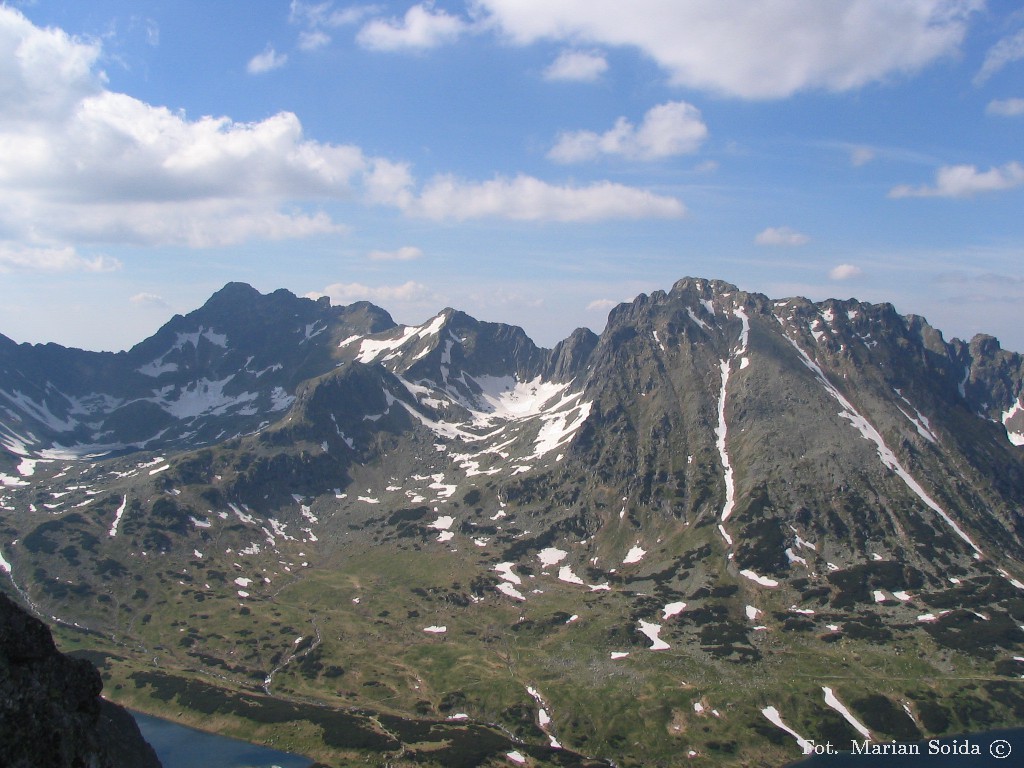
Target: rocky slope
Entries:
(655, 541)
(51, 713)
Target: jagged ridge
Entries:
(718, 475)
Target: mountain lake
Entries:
(179, 746)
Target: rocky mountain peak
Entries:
(763, 486)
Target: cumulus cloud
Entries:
(752, 48)
(602, 305)
(781, 236)
(1006, 51)
(844, 272)
(579, 66)
(674, 128)
(958, 181)
(526, 198)
(80, 163)
(421, 28)
(1005, 107)
(522, 198)
(347, 293)
(149, 300)
(266, 61)
(405, 253)
(389, 183)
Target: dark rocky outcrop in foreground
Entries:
(51, 713)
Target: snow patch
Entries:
(652, 631)
(117, 517)
(507, 589)
(551, 556)
(1016, 436)
(635, 555)
(696, 319)
(505, 570)
(776, 719)
(672, 609)
(764, 581)
(921, 423)
(443, 523)
(720, 433)
(565, 573)
(837, 705)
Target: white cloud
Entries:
(347, 293)
(79, 163)
(602, 305)
(15, 257)
(313, 39)
(1006, 51)
(43, 72)
(523, 198)
(405, 253)
(389, 183)
(1006, 107)
(266, 61)
(844, 272)
(959, 181)
(781, 236)
(421, 28)
(82, 164)
(674, 128)
(149, 300)
(316, 15)
(526, 198)
(578, 66)
(752, 48)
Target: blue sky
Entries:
(528, 161)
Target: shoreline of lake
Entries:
(181, 746)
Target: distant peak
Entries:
(702, 286)
(233, 292)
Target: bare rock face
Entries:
(51, 713)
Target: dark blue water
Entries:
(178, 746)
(994, 749)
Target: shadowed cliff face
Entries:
(51, 713)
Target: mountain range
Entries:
(725, 526)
